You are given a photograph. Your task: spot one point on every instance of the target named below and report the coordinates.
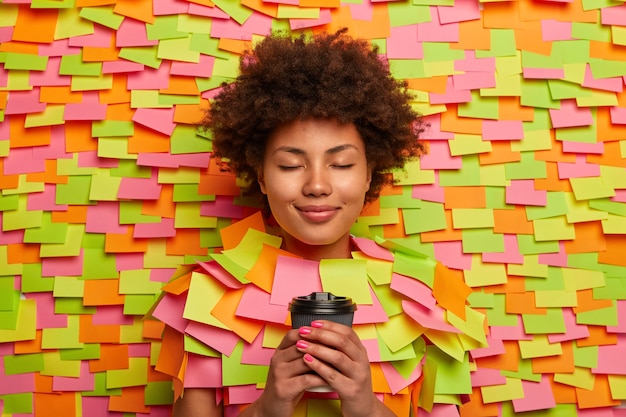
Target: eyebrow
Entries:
(298, 151)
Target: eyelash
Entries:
(291, 168)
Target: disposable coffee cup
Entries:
(321, 306)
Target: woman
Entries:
(314, 126)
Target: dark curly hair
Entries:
(286, 78)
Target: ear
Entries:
(368, 180)
(261, 182)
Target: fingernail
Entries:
(301, 344)
(304, 330)
(317, 324)
(308, 358)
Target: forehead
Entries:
(315, 134)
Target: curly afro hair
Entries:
(286, 78)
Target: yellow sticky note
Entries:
(204, 293)
(588, 188)
(346, 277)
(62, 337)
(466, 144)
(539, 347)
(553, 228)
(512, 389)
(582, 279)
(580, 378)
(463, 218)
(484, 274)
(556, 298)
(530, 268)
(135, 375)
(399, 331)
(26, 323)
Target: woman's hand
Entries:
(288, 378)
(335, 352)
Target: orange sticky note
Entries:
(436, 84)
(21, 137)
(218, 185)
(269, 9)
(191, 114)
(465, 197)
(509, 108)
(111, 357)
(522, 303)
(512, 221)
(145, 140)
(137, 9)
(54, 405)
(450, 122)
(501, 153)
(124, 243)
(78, 137)
(586, 302)
(35, 25)
(232, 234)
(224, 311)
(589, 238)
(163, 206)
(472, 36)
(59, 95)
(102, 292)
(615, 250)
(563, 363)
(152, 329)
(235, 46)
(23, 253)
(101, 333)
(599, 396)
(74, 214)
(552, 182)
(185, 242)
(131, 401)
(118, 93)
(181, 85)
(262, 273)
(49, 176)
(450, 290)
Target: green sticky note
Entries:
(48, 232)
(188, 216)
(535, 93)
(524, 371)
(453, 377)
(194, 24)
(74, 65)
(177, 49)
(529, 246)
(412, 174)
(70, 24)
(388, 299)
(482, 240)
(407, 68)
(527, 168)
(551, 322)
(103, 187)
(205, 44)
(468, 175)
(497, 315)
(198, 307)
(185, 140)
(429, 217)
(25, 327)
(9, 314)
(138, 304)
(467, 144)
(287, 11)
(33, 281)
(159, 393)
(189, 193)
(236, 373)
(561, 90)
(421, 268)
(114, 148)
(396, 358)
(406, 13)
(164, 27)
(598, 99)
(53, 115)
(137, 281)
(98, 264)
(102, 15)
(146, 55)
(146, 98)
(157, 256)
(471, 218)
(585, 356)
(484, 274)
(582, 134)
(591, 187)
(18, 403)
(238, 12)
(193, 345)
(25, 62)
(399, 332)
(135, 375)
(404, 200)
(75, 191)
(556, 298)
(480, 107)
(22, 218)
(72, 306)
(112, 128)
(556, 205)
(130, 213)
(87, 352)
(23, 363)
(227, 67)
(71, 246)
(62, 337)
(574, 51)
(100, 389)
(534, 140)
(346, 277)
(599, 317)
(554, 228)
(530, 268)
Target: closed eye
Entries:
(288, 167)
(343, 166)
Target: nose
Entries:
(317, 183)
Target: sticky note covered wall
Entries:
(106, 186)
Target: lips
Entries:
(317, 214)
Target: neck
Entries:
(336, 250)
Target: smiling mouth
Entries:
(318, 214)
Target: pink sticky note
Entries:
(461, 11)
(133, 33)
(483, 377)
(243, 394)
(372, 348)
(58, 48)
(435, 31)
(139, 350)
(224, 341)
(46, 317)
(582, 147)
(473, 64)
(98, 407)
(218, 272)
(510, 332)
(89, 109)
(537, 396)
(139, 188)
(166, 160)
(429, 318)
(543, 73)
(112, 314)
(150, 79)
(511, 254)
(614, 84)
(618, 115)
(50, 77)
(553, 30)
(370, 313)
(116, 67)
(523, 192)
(403, 44)
(170, 311)
(613, 15)
(503, 130)
(362, 11)
(15, 384)
(66, 266)
(223, 206)
(580, 169)
(611, 358)
(294, 277)
(129, 261)
(24, 102)
(165, 228)
(494, 347)
(255, 304)
(56, 148)
(554, 259)
(414, 289)
(429, 192)
(255, 354)
(451, 255)
(451, 95)
(395, 380)
(21, 161)
(474, 80)
(99, 38)
(441, 410)
(439, 157)
(90, 159)
(204, 67)
(11, 237)
(104, 218)
(203, 372)
(170, 7)
(570, 115)
(433, 130)
(161, 120)
(256, 24)
(200, 10)
(371, 249)
(6, 33)
(323, 19)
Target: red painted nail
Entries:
(304, 330)
(301, 344)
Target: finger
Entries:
(337, 336)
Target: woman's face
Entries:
(315, 176)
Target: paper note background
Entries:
(104, 185)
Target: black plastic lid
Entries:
(322, 303)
